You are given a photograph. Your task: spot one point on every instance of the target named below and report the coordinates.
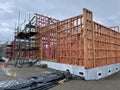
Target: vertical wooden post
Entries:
(88, 27)
(85, 38)
(41, 47)
(93, 42)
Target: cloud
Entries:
(6, 34)
(103, 12)
(6, 7)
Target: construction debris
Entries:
(43, 65)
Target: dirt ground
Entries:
(109, 83)
(12, 73)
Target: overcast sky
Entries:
(106, 12)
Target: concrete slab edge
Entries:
(89, 74)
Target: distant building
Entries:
(2, 50)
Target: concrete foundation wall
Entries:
(88, 74)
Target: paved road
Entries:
(109, 83)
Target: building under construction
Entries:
(78, 44)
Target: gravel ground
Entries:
(109, 83)
(12, 73)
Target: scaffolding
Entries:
(27, 42)
(24, 43)
(3, 51)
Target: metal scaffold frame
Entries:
(24, 43)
